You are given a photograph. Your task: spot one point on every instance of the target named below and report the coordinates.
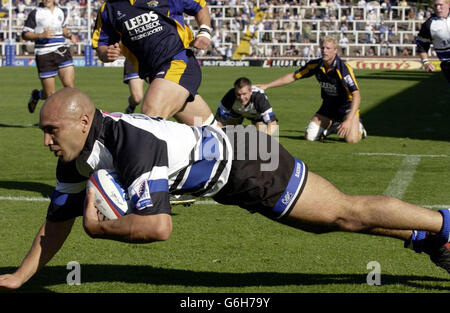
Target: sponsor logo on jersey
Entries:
(143, 25)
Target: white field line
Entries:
(403, 177)
(202, 202)
(405, 155)
(405, 173)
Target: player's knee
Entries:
(313, 131)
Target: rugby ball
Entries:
(111, 198)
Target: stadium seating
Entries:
(370, 29)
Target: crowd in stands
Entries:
(289, 28)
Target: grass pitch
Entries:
(215, 248)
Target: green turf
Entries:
(214, 248)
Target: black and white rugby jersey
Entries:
(152, 157)
(41, 18)
(435, 31)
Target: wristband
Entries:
(204, 31)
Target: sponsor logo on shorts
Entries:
(298, 169)
(287, 198)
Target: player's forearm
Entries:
(102, 52)
(132, 228)
(47, 242)
(423, 57)
(284, 80)
(203, 18)
(32, 36)
(67, 33)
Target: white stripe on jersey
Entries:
(186, 147)
(70, 187)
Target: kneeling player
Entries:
(340, 93)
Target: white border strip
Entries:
(405, 155)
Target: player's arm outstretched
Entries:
(130, 228)
(49, 239)
(283, 80)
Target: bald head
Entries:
(66, 118)
(67, 103)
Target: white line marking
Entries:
(405, 173)
(405, 155)
(37, 199)
(202, 202)
(403, 177)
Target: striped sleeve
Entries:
(67, 199)
(264, 108)
(423, 39)
(30, 23)
(307, 70)
(348, 78)
(191, 7)
(224, 110)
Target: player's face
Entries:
(329, 51)
(243, 94)
(63, 136)
(48, 3)
(441, 8)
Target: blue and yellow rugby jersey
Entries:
(151, 31)
(337, 83)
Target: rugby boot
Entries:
(34, 98)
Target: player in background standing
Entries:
(46, 26)
(246, 101)
(340, 93)
(154, 36)
(436, 31)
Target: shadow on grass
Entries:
(44, 189)
(95, 273)
(19, 125)
(419, 112)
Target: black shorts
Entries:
(445, 67)
(129, 72)
(183, 69)
(48, 64)
(333, 111)
(258, 183)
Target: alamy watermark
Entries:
(74, 276)
(374, 276)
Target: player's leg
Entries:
(164, 98)
(67, 76)
(316, 127)
(66, 70)
(174, 89)
(355, 134)
(47, 70)
(136, 88)
(323, 208)
(196, 112)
